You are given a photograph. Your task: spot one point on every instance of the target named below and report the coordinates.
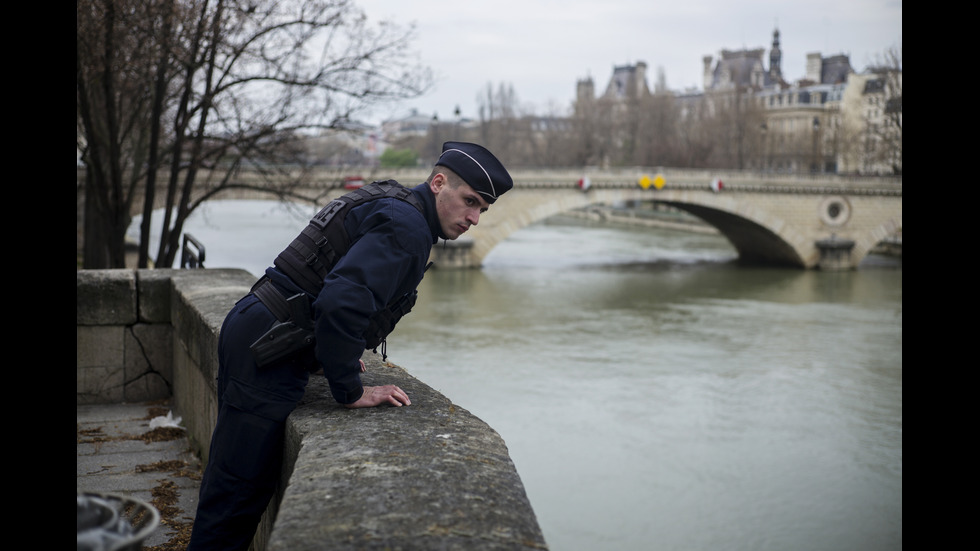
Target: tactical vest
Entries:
(311, 256)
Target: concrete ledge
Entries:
(105, 297)
(426, 476)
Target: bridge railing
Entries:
(192, 252)
(322, 184)
(333, 178)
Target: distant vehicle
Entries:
(353, 182)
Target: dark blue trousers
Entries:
(245, 458)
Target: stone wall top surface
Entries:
(380, 478)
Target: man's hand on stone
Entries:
(377, 395)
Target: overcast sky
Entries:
(543, 47)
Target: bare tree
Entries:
(695, 126)
(550, 139)
(659, 136)
(499, 118)
(886, 123)
(734, 128)
(193, 92)
(597, 125)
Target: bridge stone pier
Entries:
(829, 223)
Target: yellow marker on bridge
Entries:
(659, 181)
(645, 182)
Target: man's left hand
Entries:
(377, 395)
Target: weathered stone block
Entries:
(148, 362)
(99, 346)
(105, 297)
(195, 398)
(153, 288)
(99, 385)
(198, 307)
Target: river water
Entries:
(653, 393)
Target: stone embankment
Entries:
(426, 476)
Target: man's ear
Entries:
(437, 182)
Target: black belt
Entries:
(266, 292)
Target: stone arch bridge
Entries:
(819, 221)
(829, 223)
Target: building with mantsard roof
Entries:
(803, 125)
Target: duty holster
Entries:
(291, 334)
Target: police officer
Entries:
(351, 273)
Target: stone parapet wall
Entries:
(123, 336)
(426, 476)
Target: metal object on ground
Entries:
(109, 522)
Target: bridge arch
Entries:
(753, 233)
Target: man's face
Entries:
(458, 208)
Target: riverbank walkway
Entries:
(120, 454)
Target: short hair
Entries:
(452, 178)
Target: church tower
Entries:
(775, 55)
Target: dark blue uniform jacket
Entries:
(390, 245)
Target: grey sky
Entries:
(542, 47)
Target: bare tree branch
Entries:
(210, 87)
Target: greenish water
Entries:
(656, 395)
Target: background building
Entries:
(832, 119)
(748, 114)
